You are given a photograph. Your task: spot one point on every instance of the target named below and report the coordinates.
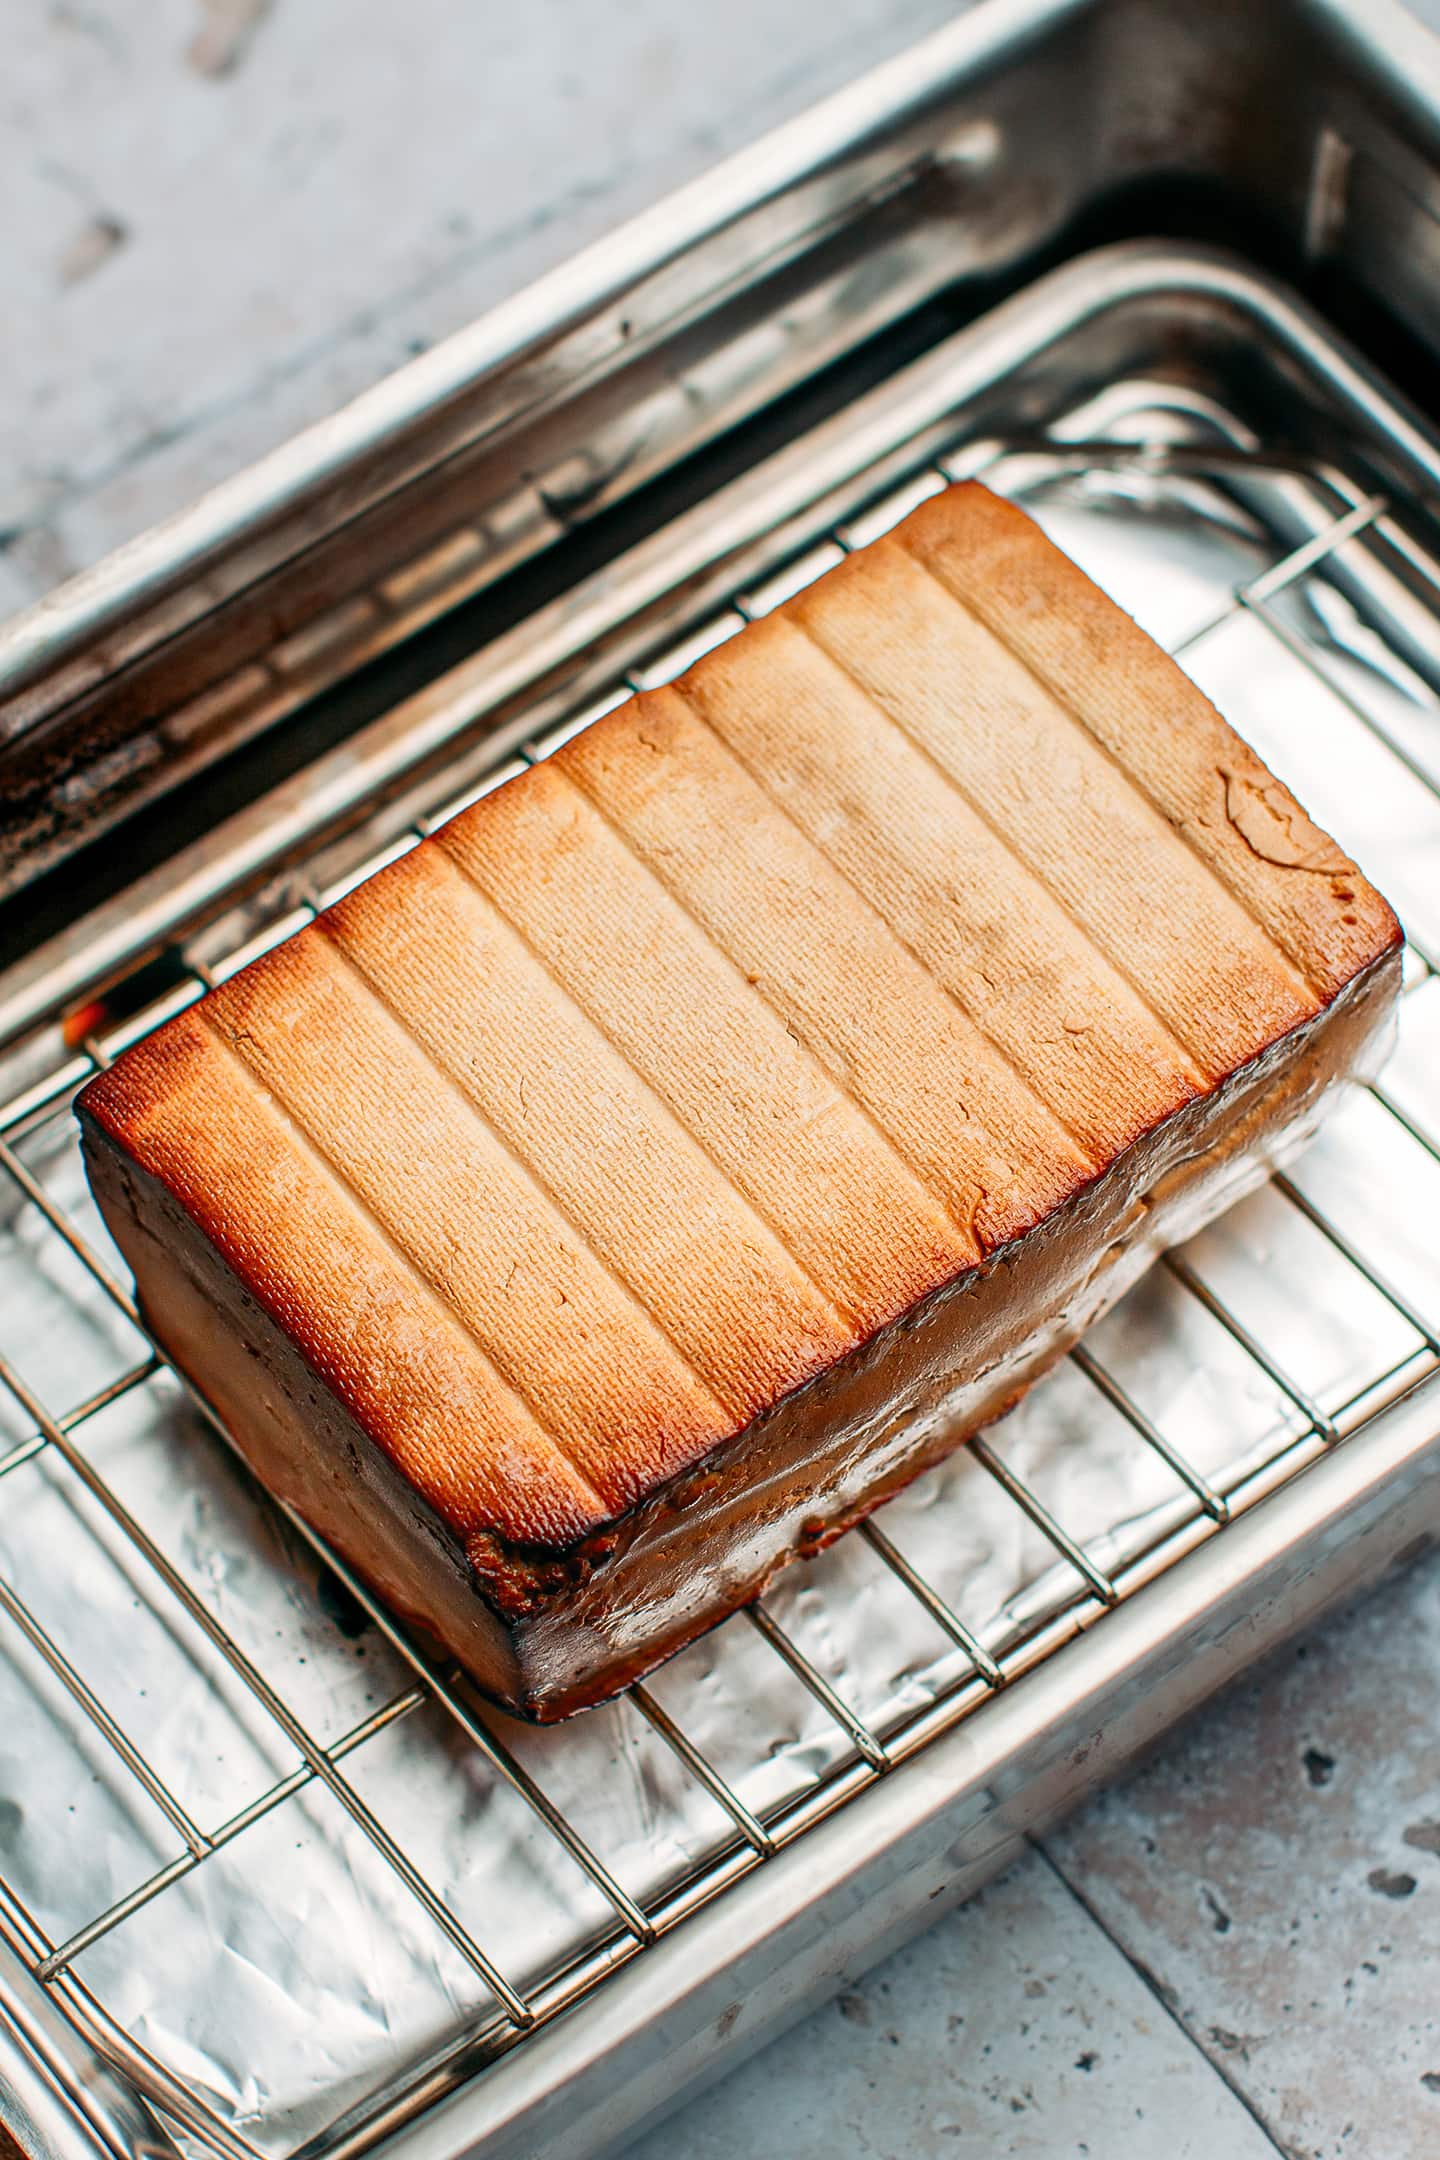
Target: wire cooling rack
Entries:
(282, 1871)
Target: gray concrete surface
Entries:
(221, 217)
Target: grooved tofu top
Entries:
(671, 1072)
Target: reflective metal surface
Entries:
(267, 1883)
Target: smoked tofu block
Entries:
(629, 1188)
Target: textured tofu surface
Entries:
(651, 1103)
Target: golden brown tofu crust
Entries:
(648, 1106)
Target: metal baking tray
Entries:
(269, 1883)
